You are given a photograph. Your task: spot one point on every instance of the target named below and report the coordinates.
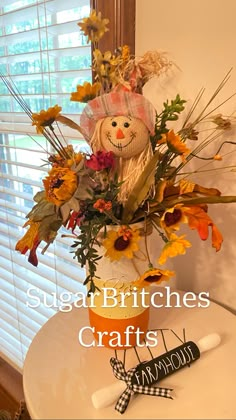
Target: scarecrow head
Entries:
(121, 122)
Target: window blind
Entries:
(43, 51)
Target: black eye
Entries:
(114, 123)
(126, 124)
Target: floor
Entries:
(11, 391)
(7, 403)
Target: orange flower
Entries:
(60, 185)
(102, 205)
(217, 157)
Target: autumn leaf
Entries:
(160, 189)
(186, 186)
(198, 219)
(67, 121)
(40, 195)
(30, 241)
(217, 238)
(49, 227)
(206, 191)
(29, 238)
(42, 209)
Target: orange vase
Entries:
(111, 312)
(119, 321)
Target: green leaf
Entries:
(49, 227)
(86, 280)
(141, 189)
(43, 209)
(160, 207)
(39, 196)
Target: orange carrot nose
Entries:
(120, 134)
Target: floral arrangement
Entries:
(136, 170)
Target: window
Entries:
(43, 50)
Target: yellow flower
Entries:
(121, 243)
(94, 27)
(125, 53)
(105, 65)
(74, 158)
(175, 144)
(60, 185)
(173, 217)
(86, 93)
(153, 275)
(106, 59)
(175, 246)
(45, 118)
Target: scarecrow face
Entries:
(124, 136)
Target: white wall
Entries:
(200, 37)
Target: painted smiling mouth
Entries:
(118, 146)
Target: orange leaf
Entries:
(207, 191)
(199, 219)
(217, 238)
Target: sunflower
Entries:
(121, 243)
(175, 246)
(45, 118)
(94, 27)
(175, 144)
(106, 59)
(86, 93)
(153, 275)
(60, 185)
(105, 65)
(172, 218)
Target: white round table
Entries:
(60, 374)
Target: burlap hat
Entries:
(114, 104)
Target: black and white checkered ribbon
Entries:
(120, 373)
